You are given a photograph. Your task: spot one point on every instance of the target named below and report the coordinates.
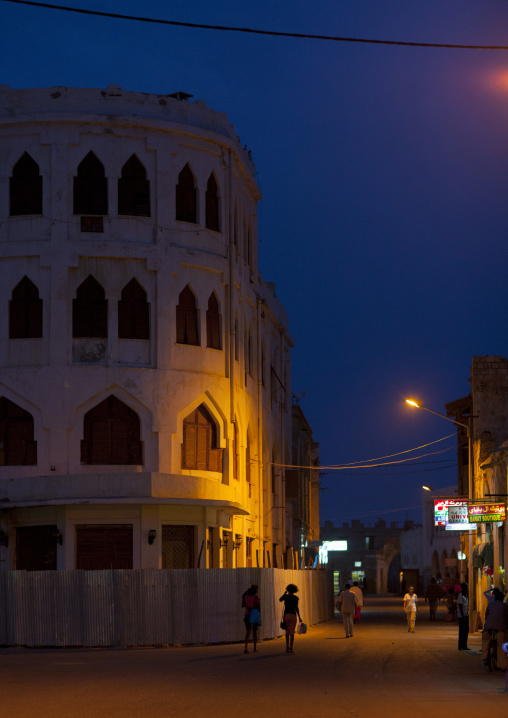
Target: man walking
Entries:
(411, 608)
(432, 596)
(346, 604)
(355, 588)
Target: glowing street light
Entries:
(427, 488)
(468, 427)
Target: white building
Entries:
(145, 374)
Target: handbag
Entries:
(255, 617)
(282, 621)
(302, 628)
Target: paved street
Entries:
(382, 671)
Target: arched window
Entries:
(17, 445)
(187, 318)
(25, 187)
(25, 311)
(186, 196)
(90, 311)
(213, 323)
(134, 190)
(133, 313)
(90, 187)
(212, 203)
(111, 434)
(200, 448)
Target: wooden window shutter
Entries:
(25, 187)
(133, 190)
(90, 187)
(189, 458)
(186, 196)
(111, 434)
(212, 204)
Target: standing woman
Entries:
(290, 613)
(250, 600)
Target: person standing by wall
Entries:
(355, 588)
(346, 604)
(291, 611)
(411, 608)
(433, 595)
(250, 600)
(463, 612)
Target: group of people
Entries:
(433, 595)
(290, 612)
(350, 602)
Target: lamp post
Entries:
(468, 427)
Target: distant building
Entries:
(370, 555)
(145, 365)
(486, 407)
(302, 489)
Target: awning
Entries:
(483, 554)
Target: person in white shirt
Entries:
(355, 588)
(411, 608)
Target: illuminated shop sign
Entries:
(452, 514)
(330, 546)
(484, 513)
(442, 508)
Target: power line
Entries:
(225, 28)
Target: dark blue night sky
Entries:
(384, 172)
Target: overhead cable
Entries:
(226, 28)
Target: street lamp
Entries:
(468, 428)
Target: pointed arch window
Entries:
(213, 323)
(186, 196)
(200, 448)
(90, 311)
(133, 313)
(133, 190)
(212, 203)
(111, 432)
(17, 445)
(187, 318)
(25, 187)
(90, 187)
(25, 311)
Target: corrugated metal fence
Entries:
(149, 607)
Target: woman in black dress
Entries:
(291, 611)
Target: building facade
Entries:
(485, 410)
(145, 369)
